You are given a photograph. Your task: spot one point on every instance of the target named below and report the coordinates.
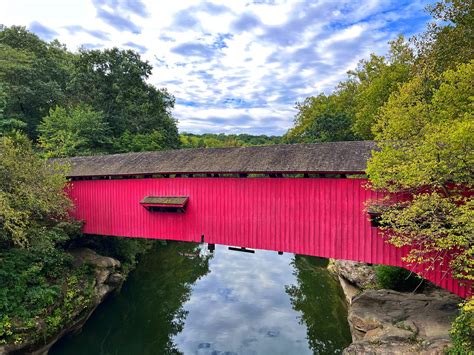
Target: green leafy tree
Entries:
(448, 40)
(37, 76)
(114, 82)
(129, 142)
(33, 203)
(34, 75)
(351, 110)
(376, 80)
(426, 140)
(8, 125)
(324, 118)
(76, 131)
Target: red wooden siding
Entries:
(319, 217)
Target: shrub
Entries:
(462, 331)
(396, 278)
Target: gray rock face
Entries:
(106, 278)
(395, 347)
(390, 322)
(360, 274)
(89, 256)
(350, 291)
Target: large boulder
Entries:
(390, 322)
(359, 274)
(89, 256)
(106, 277)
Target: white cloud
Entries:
(233, 68)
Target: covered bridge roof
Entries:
(333, 157)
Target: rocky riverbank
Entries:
(389, 322)
(107, 278)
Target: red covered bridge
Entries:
(304, 198)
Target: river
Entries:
(183, 299)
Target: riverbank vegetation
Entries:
(40, 287)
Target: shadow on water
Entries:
(181, 299)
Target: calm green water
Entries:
(181, 299)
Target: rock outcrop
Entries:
(390, 322)
(107, 279)
(359, 274)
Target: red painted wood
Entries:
(319, 217)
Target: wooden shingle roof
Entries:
(332, 157)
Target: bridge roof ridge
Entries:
(327, 157)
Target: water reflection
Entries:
(147, 313)
(317, 297)
(182, 300)
(241, 308)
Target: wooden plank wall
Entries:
(312, 216)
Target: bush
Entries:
(462, 331)
(37, 287)
(397, 278)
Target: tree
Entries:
(426, 141)
(351, 110)
(113, 81)
(37, 76)
(73, 131)
(34, 75)
(321, 119)
(448, 40)
(376, 80)
(129, 142)
(8, 125)
(221, 140)
(33, 202)
(325, 118)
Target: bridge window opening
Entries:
(173, 204)
(375, 218)
(165, 209)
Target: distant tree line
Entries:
(210, 140)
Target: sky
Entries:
(236, 66)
